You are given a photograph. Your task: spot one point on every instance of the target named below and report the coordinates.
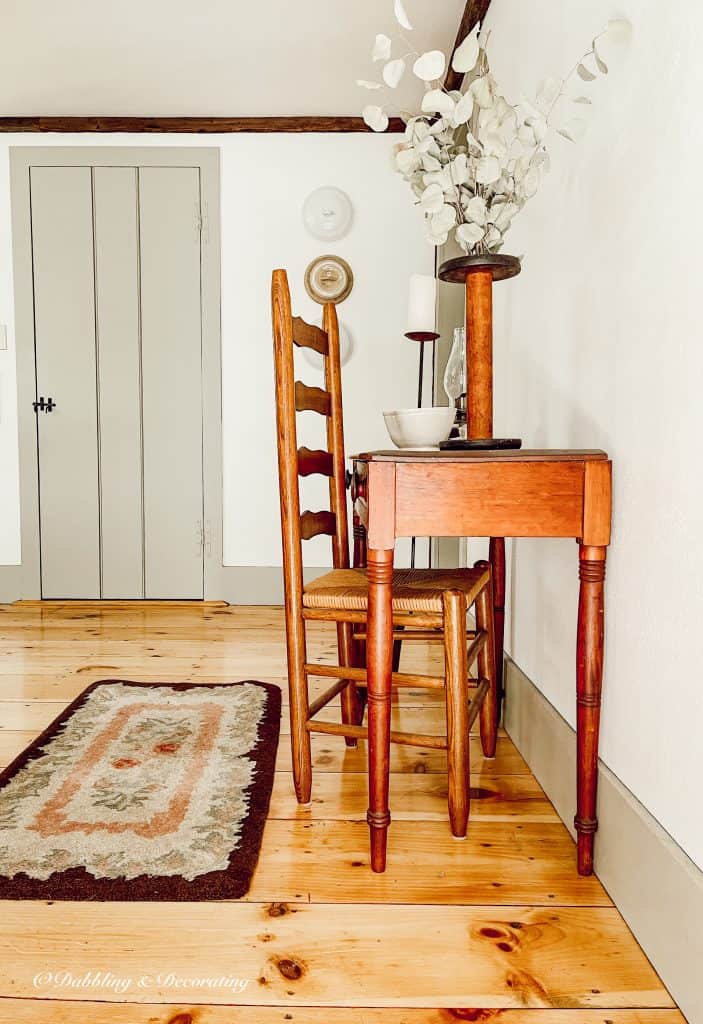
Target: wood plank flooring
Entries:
(499, 927)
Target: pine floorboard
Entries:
(19, 1011)
(497, 928)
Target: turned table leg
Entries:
(379, 653)
(589, 678)
(359, 490)
(496, 556)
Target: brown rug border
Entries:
(77, 884)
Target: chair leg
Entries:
(457, 693)
(487, 668)
(359, 650)
(352, 708)
(299, 708)
(397, 647)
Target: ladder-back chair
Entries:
(428, 604)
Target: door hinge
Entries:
(203, 534)
(202, 223)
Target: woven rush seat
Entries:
(414, 590)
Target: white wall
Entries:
(385, 245)
(265, 179)
(599, 345)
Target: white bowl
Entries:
(420, 429)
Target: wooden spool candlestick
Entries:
(477, 274)
(479, 354)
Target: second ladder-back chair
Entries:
(428, 604)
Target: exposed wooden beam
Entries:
(202, 125)
(474, 12)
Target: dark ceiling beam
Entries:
(474, 12)
(202, 125)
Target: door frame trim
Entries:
(24, 581)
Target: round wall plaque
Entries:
(345, 350)
(329, 279)
(327, 213)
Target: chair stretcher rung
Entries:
(430, 636)
(358, 675)
(360, 732)
(329, 694)
(475, 647)
(477, 700)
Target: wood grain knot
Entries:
(586, 826)
(591, 571)
(503, 938)
(471, 1014)
(290, 969)
(181, 1018)
(277, 910)
(530, 989)
(479, 793)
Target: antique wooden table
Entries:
(555, 493)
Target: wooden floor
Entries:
(499, 927)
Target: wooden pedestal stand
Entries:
(477, 274)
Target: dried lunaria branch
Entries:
(471, 158)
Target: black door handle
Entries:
(42, 406)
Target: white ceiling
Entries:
(212, 57)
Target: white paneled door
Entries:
(117, 306)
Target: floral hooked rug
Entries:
(142, 791)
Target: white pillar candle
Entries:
(421, 304)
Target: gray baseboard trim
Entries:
(237, 584)
(655, 886)
(13, 584)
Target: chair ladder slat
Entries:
(309, 399)
(310, 462)
(314, 523)
(306, 335)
